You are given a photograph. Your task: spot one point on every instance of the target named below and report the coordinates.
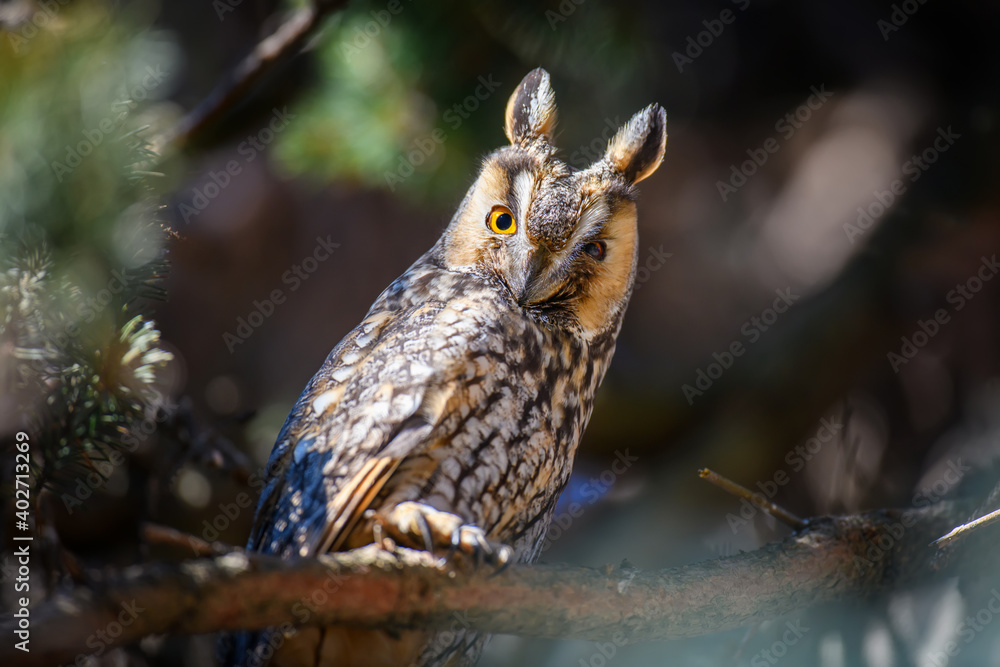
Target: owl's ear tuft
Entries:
(637, 149)
(531, 110)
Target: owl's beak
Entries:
(533, 289)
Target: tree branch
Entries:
(285, 42)
(833, 559)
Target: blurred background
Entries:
(815, 315)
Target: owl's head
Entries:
(560, 243)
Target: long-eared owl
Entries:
(450, 416)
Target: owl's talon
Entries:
(425, 532)
(479, 547)
(419, 526)
(504, 555)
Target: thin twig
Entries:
(967, 528)
(760, 501)
(164, 535)
(284, 43)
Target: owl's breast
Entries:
(509, 424)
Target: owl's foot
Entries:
(419, 526)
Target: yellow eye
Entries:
(501, 220)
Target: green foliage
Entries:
(392, 74)
(81, 247)
(356, 127)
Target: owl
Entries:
(449, 418)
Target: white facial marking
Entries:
(522, 195)
(595, 215)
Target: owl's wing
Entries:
(375, 401)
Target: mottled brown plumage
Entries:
(454, 410)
